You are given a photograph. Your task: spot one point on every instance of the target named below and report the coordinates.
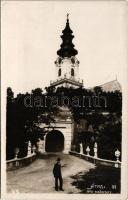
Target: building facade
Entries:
(60, 135)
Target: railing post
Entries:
(34, 149)
(88, 151)
(81, 148)
(16, 153)
(95, 150)
(29, 148)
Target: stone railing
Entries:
(20, 162)
(94, 159)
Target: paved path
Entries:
(38, 177)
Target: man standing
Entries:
(57, 174)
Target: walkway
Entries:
(38, 177)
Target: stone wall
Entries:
(20, 162)
(66, 128)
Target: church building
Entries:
(60, 134)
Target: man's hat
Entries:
(58, 159)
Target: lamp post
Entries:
(117, 154)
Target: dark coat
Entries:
(57, 170)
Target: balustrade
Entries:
(95, 158)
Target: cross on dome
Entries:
(67, 16)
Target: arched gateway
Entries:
(54, 141)
(58, 138)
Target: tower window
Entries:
(59, 60)
(59, 72)
(72, 72)
(72, 60)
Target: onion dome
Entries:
(67, 47)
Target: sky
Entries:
(31, 37)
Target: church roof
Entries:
(67, 47)
(66, 80)
(111, 86)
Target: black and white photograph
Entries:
(64, 77)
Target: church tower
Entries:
(67, 65)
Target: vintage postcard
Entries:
(64, 100)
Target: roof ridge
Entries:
(115, 80)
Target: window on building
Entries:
(73, 60)
(59, 72)
(72, 72)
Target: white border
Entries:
(124, 171)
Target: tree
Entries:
(23, 121)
